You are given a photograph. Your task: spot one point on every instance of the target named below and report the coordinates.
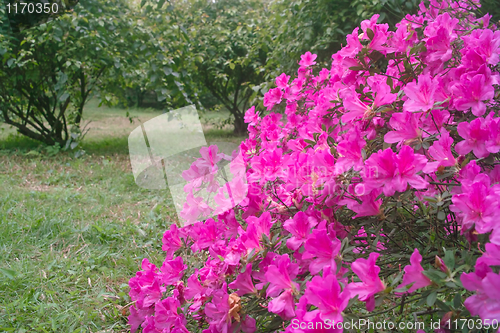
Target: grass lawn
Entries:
(73, 231)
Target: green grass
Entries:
(73, 231)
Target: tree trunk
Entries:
(240, 127)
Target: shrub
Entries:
(372, 196)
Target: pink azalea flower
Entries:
(145, 286)
(441, 152)
(248, 325)
(434, 121)
(251, 237)
(380, 33)
(353, 45)
(323, 248)
(471, 94)
(260, 275)
(486, 301)
(281, 276)
(413, 274)
(406, 126)
(370, 283)
(491, 256)
(194, 209)
(495, 235)
(439, 46)
(403, 38)
(234, 251)
(307, 59)
(172, 271)
(369, 205)
(439, 41)
(166, 314)
(205, 234)
(148, 326)
(421, 95)
(381, 90)
(232, 225)
(213, 273)
(268, 166)
(477, 204)
(210, 156)
(196, 292)
(231, 194)
(325, 293)
(272, 97)
(394, 172)
(355, 108)
(485, 43)
(137, 317)
(263, 223)
(217, 311)
(302, 72)
(299, 227)
(323, 75)
(309, 322)
(350, 151)
(282, 81)
(470, 171)
(243, 282)
(179, 326)
(251, 117)
(493, 142)
(171, 241)
(283, 305)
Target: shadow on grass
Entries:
(18, 144)
(119, 145)
(106, 146)
(21, 145)
(214, 135)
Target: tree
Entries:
(321, 26)
(230, 46)
(35, 12)
(160, 65)
(50, 70)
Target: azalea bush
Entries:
(366, 190)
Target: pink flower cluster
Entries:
(410, 113)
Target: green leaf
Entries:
(435, 276)
(449, 259)
(9, 273)
(64, 97)
(457, 301)
(431, 299)
(442, 305)
(397, 279)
